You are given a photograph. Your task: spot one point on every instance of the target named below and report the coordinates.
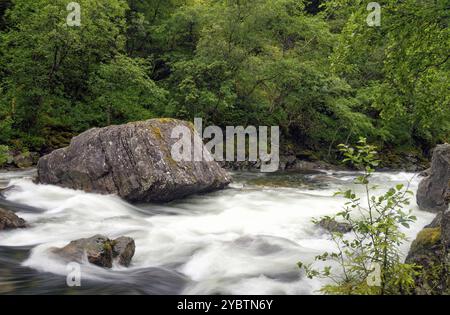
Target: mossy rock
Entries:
(426, 252)
(166, 120)
(99, 250)
(334, 226)
(426, 238)
(156, 131)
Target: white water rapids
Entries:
(246, 239)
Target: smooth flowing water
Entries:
(246, 239)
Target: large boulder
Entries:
(431, 251)
(435, 187)
(99, 250)
(9, 220)
(133, 161)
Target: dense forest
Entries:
(315, 68)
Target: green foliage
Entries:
(122, 91)
(403, 64)
(54, 73)
(265, 62)
(4, 151)
(375, 238)
(312, 67)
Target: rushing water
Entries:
(245, 239)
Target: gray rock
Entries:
(425, 173)
(34, 157)
(308, 167)
(9, 220)
(430, 251)
(133, 161)
(333, 226)
(23, 160)
(442, 221)
(305, 165)
(287, 161)
(99, 251)
(123, 250)
(433, 189)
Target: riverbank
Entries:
(304, 161)
(307, 161)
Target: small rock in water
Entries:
(123, 250)
(99, 250)
(9, 220)
(333, 226)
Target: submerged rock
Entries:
(133, 161)
(99, 250)
(9, 220)
(435, 187)
(334, 226)
(309, 167)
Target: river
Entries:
(246, 239)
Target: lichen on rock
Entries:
(133, 161)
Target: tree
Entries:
(122, 91)
(49, 66)
(266, 62)
(399, 69)
(4, 5)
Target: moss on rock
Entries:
(166, 120)
(426, 238)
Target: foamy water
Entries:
(246, 239)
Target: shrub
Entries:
(368, 260)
